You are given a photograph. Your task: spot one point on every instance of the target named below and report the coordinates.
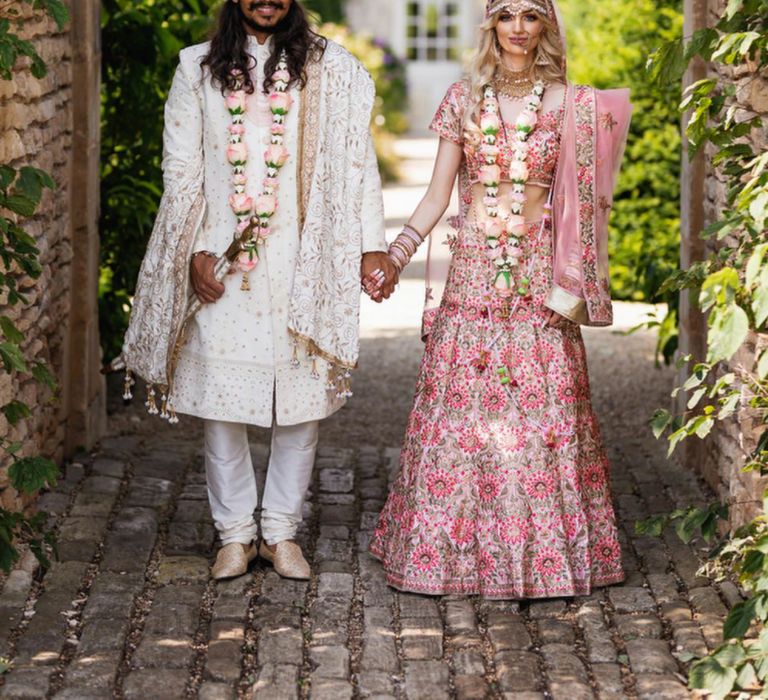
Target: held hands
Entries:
(204, 283)
(378, 275)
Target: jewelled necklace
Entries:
(513, 84)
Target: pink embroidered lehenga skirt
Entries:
(503, 489)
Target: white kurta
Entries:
(236, 362)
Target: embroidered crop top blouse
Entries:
(544, 142)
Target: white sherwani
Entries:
(236, 363)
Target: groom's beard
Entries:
(265, 28)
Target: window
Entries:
(432, 30)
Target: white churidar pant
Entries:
(232, 490)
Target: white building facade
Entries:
(433, 36)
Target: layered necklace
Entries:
(256, 214)
(504, 232)
(512, 83)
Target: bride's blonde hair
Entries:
(548, 65)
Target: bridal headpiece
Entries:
(543, 7)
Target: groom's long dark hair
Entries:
(230, 41)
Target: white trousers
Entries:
(232, 490)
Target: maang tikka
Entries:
(543, 7)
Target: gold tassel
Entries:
(151, 404)
(128, 382)
(245, 285)
(164, 407)
(315, 373)
(295, 359)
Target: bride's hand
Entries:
(553, 319)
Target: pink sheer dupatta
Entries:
(592, 145)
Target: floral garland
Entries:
(503, 234)
(247, 212)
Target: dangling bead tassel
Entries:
(164, 407)
(128, 382)
(173, 419)
(151, 404)
(295, 358)
(315, 373)
(245, 285)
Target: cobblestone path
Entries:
(128, 609)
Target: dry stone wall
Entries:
(52, 123)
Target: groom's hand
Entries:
(204, 283)
(378, 261)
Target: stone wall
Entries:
(721, 457)
(37, 127)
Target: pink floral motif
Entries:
(566, 391)
(531, 397)
(462, 530)
(469, 441)
(548, 562)
(457, 397)
(488, 487)
(607, 551)
(441, 484)
(594, 476)
(539, 485)
(513, 530)
(495, 401)
(485, 565)
(425, 558)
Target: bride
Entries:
(503, 487)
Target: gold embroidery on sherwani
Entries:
(309, 118)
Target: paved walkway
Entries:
(128, 610)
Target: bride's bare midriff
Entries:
(533, 210)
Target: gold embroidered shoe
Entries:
(232, 560)
(287, 559)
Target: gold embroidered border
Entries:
(309, 125)
(566, 304)
(312, 348)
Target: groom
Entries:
(267, 126)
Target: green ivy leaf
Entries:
(16, 411)
(708, 674)
(20, 204)
(739, 619)
(652, 526)
(762, 366)
(10, 331)
(44, 376)
(719, 288)
(760, 299)
(728, 330)
(660, 422)
(13, 360)
(30, 474)
(56, 9)
(754, 266)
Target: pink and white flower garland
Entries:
(503, 233)
(265, 206)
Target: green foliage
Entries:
(731, 287)
(141, 40)
(21, 191)
(608, 47)
(12, 47)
